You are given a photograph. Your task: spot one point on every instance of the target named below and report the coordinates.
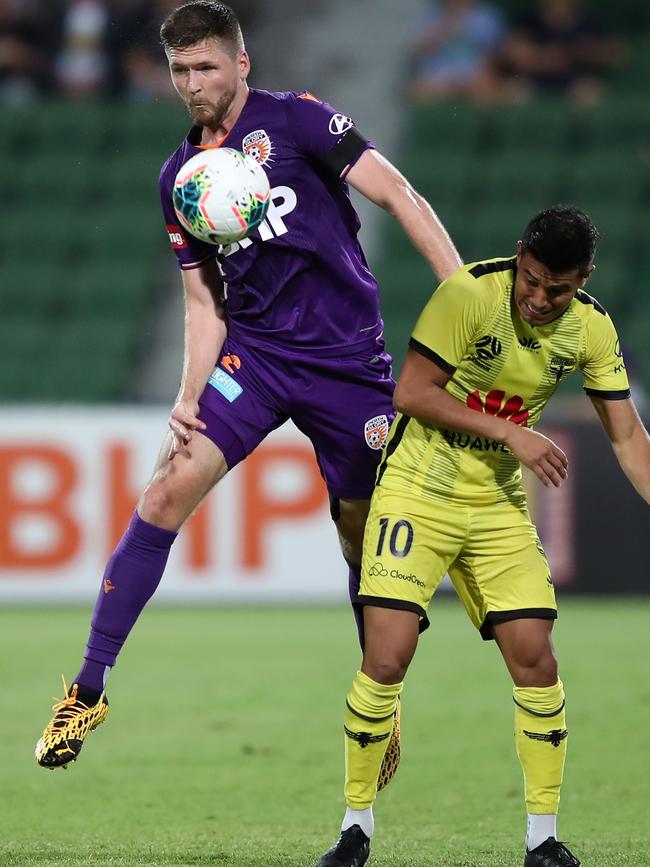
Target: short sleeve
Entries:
(603, 367)
(189, 251)
(449, 323)
(319, 129)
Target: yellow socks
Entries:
(368, 726)
(540, 738)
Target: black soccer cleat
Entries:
(551, 853)
(351, 850)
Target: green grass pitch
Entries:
(224, 742)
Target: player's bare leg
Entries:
(540, 732)
(350, 517)
(132, 575)
(391, 639)
(178, 486)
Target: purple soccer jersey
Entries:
(304, 329)
(301, 280)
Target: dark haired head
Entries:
(562, 238)
(200, 20)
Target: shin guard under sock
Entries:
(368, 726)
(131, 578)
(540, 738)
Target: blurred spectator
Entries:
(454, 52)
(23, 54)
(141, 71)
(83, 65)
(89, 48)
(560, 48)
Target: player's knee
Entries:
(538, 671)
(387, 668)
(158, 505)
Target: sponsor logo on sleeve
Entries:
(258, 145)
(375, 431)
(176, 237)
(339, 124)
(618, 352)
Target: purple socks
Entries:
(131, 578)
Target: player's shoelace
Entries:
(568, 858)
(65, 709)
(72, 717)
(558, 850)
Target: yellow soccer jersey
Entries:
(499, 364)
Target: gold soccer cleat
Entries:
(63, 738)
(391, 758)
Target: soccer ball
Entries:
(220, 195)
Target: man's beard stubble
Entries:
(209, 114)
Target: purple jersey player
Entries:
(284, 324)
(301, 306)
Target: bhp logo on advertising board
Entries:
(65, 502)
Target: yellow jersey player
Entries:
(487, 353)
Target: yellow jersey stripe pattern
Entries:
(499, 365)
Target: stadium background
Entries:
(90, 354)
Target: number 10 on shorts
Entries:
(400, 537)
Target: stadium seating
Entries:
(82, 251)
(488, 171)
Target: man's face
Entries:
(207, 77)
(542, 295)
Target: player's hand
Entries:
(539, 454)
(182, 422)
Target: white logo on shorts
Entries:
(376, 431)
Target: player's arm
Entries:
(378, 180)
(420, 394)
(629, 439)
(205, 332)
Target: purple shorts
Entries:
(344, 406)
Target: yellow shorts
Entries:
(492, 554)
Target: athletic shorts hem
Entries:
(518, 614)
(398, 605)
(224, 438)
